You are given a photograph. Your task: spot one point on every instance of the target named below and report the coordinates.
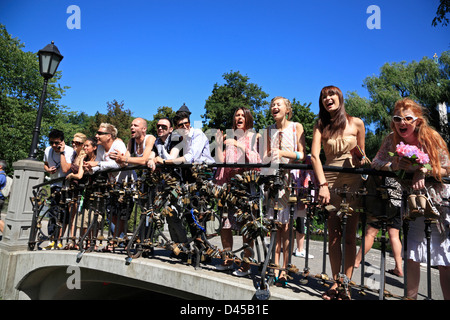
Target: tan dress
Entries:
(337, 152)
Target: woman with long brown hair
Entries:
(240, 147)
(410, 127)
(339, 134)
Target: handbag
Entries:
(422, 205)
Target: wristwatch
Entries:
(63, 152)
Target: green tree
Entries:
(116, 115)
(441, 13)
(236, 92)
(20, 90)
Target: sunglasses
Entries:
(100, 133)
(182, 124)
(407, 119)
(162, 126)
(77, 143)
(54, 142)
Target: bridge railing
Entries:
(99, 213)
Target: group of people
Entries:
(342, 138)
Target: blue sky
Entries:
(168, 52)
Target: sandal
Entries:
(392, 271)
(342, 296)
(330, 294)
(281, 282)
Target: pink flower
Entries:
(412, 153)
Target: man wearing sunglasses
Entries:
(163, 148)
(57, 157)
(194, 144)
(108, 143)
(57, 162)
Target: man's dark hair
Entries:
(166, 118)
(56, 134)
(180, 116)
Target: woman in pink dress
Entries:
(240, 147)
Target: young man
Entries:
(57, 162)
(163, 150)
(139, 147)
(163, 147)
(194, 144)
(108, 143)
(57, 157)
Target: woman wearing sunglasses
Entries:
(410, 126)
(75, 174)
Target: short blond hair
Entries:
(110, 129)
(80, 135)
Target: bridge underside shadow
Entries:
(56, 283)
(53, 275)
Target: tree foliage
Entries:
(236, 92)
(441, 13)
(20, 90)
(116, 115)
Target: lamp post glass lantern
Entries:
(49, 59)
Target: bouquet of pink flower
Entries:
(412, 153)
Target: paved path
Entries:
(313, 289)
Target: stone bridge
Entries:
(58, 274)
(61, 274)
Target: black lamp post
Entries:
(49, 59)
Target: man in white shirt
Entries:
(57, 162)
(107, 143)
(194, 145)
(57, 157)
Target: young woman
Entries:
(240, 147)
(285, 144)
(89, 154)
(77, 163)
(338, 133)
(410, 126)
(78, 156)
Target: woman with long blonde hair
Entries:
(285, 144)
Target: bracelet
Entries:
(325, 184)
(297, 155)
(126, 161)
